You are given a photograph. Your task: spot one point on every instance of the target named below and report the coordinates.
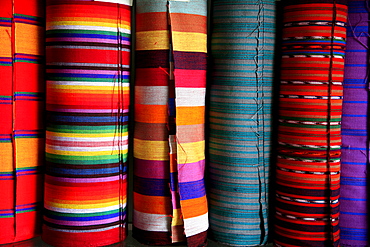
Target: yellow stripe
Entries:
(30, 152)
(152, 40)
(6, 154)
(190, 42)
(177, 218)
(78, 204)
(190, 152)
(54, 198)
(86, 24)
(85, 19)
(29, 39)
(50, 150)
(5, 42)
(151, 150)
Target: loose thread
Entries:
(259, 100)
(328, 128)
(14, 146)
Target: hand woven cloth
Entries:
(169, 195)
(243, 35)
(354, 204)
(87, 56)
(21, 114)
(308, 163)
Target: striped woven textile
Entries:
(243, 35)
(354, 204)
(22, 96)
(87, 59)
(169, 193)
(308, 162)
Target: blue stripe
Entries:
(152, 186)
(95, 119)
(88, 75)
(192, 190)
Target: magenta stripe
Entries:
(114, 143)
(86, 180)
(107, 41)
(90, 110)
(81, 71)
(152, 169)
(191, 171)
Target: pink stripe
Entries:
(108, 41)
(82, 223)
(88, 180)
(90, 110)
(152, 169)
(80, 71)
(191, 171)
(190, 78)
(175, 199)
(115, 142)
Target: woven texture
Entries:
(87, 52)
(169, 195)
(243, 35)
(21, 113)
(355, 141)
(308, 163)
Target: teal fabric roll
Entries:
(240, 120)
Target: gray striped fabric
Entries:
(242, 53)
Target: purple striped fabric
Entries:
(355, 141)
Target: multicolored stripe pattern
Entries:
(169, 190)
(354, 198)
(22, 99)
(88, 60)
(243, 37)
(309, 140)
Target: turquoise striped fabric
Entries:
(240, 124)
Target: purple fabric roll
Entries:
(355, 141)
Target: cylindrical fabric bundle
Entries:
(354, 204)
(22, 96)
(243, 35)
(87, 57)
(309, 140)
(169, 194)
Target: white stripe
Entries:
(152, 222)
(152, 95)
(196, 225)
(85, 210)
(88, 83)
(125, 2)
(88, 27)
(190, 96)
(172, 144)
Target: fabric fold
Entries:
(171, 49)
